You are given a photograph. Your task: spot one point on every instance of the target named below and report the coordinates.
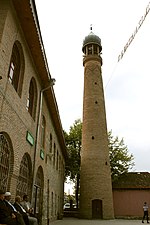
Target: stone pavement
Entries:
(74, 221)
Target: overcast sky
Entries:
(64, 25)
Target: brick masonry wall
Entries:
(129, 203)
(15, 119)
(95, 166)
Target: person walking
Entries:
(145, 211)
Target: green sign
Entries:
(30, 138)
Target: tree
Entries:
(120, 159)
(73, 143)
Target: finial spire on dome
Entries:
(91, 27)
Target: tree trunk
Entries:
(77, 190)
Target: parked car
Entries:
(74, 206)
(67, 206)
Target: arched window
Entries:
(52, 204)
(16, 67)
(24, 179)
(5, 162)
(32, 98)
(50, 143)
(43, 132)
(57, 160)
(38, 193)
(54, 156)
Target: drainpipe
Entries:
(52, 82)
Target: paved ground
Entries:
(73, 221)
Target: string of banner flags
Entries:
(126, 46)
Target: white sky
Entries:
(64, 25)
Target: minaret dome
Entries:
(92, 44)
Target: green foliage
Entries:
(120, 159)
(68, 198)
(73, 143)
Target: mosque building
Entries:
(32, 145)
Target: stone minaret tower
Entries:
(96, 200)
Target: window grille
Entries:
(24, 181)
(32, 98)
(16, 67)
(5, 155)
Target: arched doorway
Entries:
(24, 181)
(97, 212)
(6, 161)
(38, 193)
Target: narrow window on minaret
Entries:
(89, 49)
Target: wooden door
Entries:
(97, 209)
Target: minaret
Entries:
(96, 201)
